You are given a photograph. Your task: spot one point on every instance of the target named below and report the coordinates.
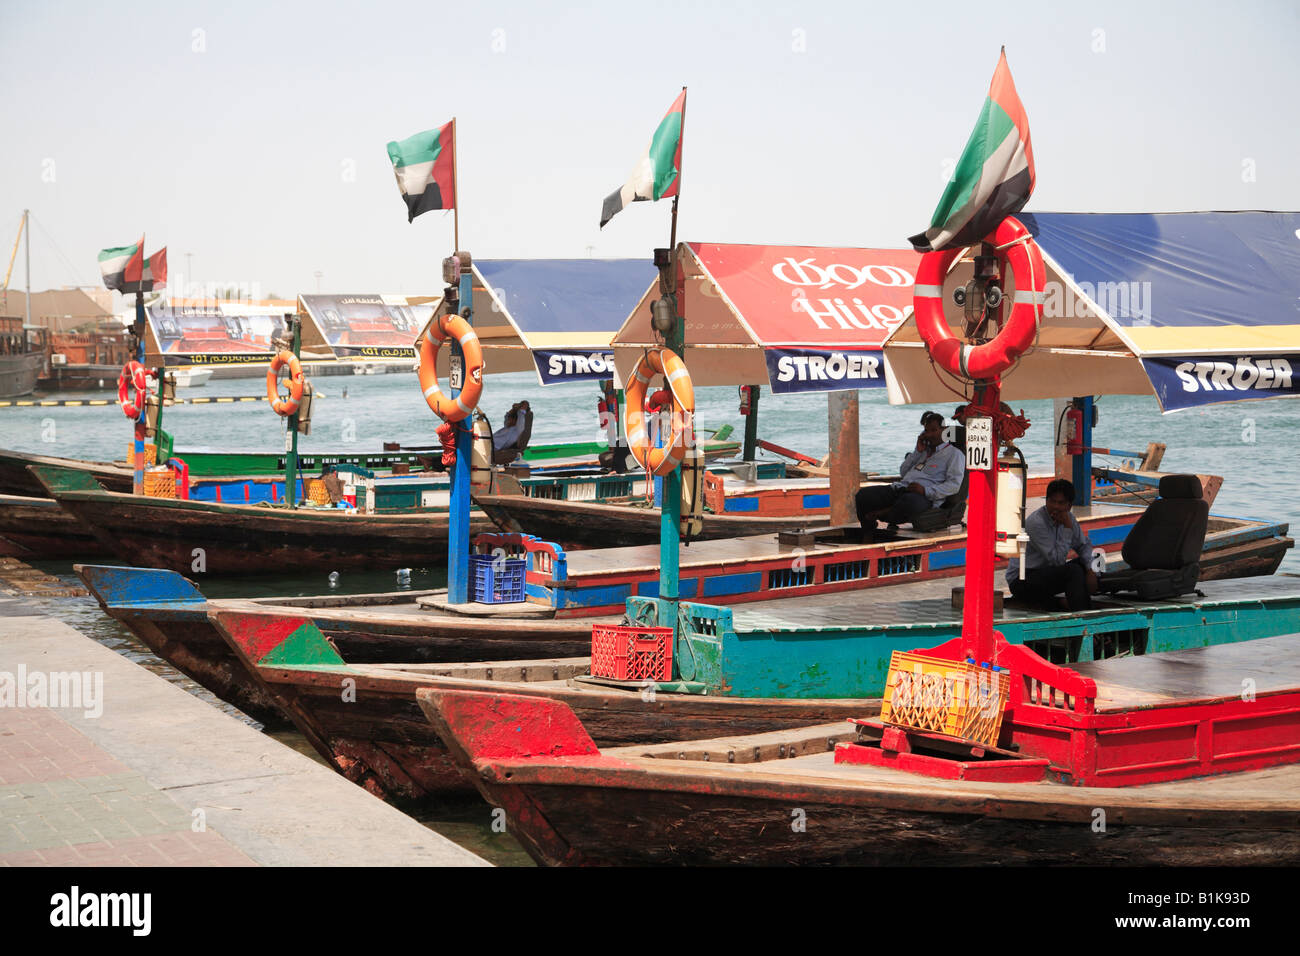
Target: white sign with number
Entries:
(456, 371)
(979, 444)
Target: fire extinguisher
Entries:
(1074, 430)
(746, 393)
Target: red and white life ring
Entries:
(1016, 248)
(134, 376)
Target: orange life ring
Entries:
(660, 461)
(280, 405)
(133, 376)
(447, 408)
(1015, 247)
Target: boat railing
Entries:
(546, 560)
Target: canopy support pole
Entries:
(1081, 475)
(842, 433)
(458, 516)
(751, 424)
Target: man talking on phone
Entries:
(1059, 556)
(928, 475)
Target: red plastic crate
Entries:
(632, 653)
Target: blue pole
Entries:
(1082, 474)
(458, 518)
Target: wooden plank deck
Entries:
(1196, 674)
(924, 602)
(701, 554)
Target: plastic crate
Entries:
(632, 653)
(150, 454)
(160, 482)
(955, 698)
(496, 580)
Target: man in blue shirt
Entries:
(1059, 555)
(928, 475)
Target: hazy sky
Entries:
(253, 134)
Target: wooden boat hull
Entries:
(571, 803)
(367, 722)
(170, 616)
(598, 524)
(18, 373)
(38, 527)
(210, 538)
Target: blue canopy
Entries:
(567, 311)
(1199, 307)
(1208, 301)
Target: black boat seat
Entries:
(509, 441)
(949, 512)
(1163, 550)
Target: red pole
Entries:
(981, 539)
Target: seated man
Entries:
(1059, 555)
(509, 441)
(928, 475)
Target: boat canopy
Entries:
(564, 311)
(800, 318)
(1198, 307)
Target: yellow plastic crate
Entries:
(150, 454)
(317, 493)
(957, 699)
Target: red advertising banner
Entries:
(814, 295)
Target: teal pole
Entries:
(458, 516)
(670, 509)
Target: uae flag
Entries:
(145, 275)
(994, 177)
(113, 264)
(425, 166)
(659, 172)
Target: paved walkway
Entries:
(144, 774)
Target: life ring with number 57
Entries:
(444, 406)
(1016, 248)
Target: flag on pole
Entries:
(145, 275)
(994, 177)
(425, 166)
(658, 173)
(113, 263)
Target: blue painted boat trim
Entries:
(733, 584)
(741, 504)
(126, 587)
(816, 501)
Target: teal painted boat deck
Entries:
(839, 645)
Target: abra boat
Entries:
(783, 798)
(795, 661)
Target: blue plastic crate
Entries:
(495, 580)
